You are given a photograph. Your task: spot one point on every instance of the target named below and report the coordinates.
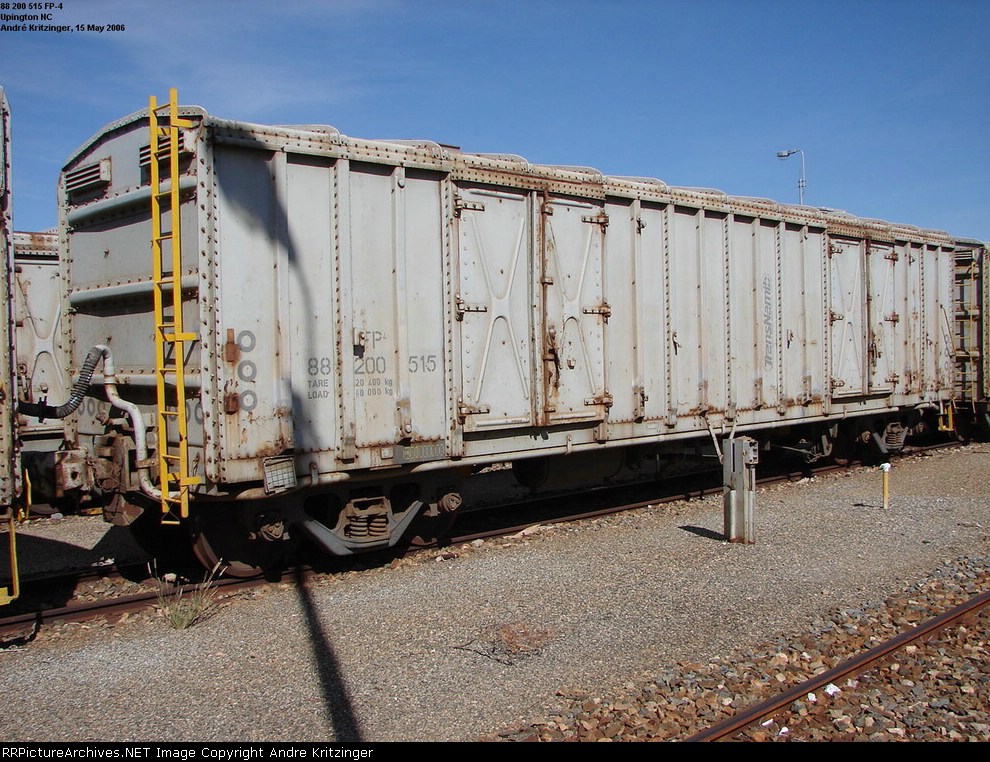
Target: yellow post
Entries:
(16, 513)
(10, 594)
(886, 485)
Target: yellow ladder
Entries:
(171, 338)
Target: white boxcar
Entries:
(972, 334)
(37, 317)
(41, 358)
(9, 459)
(374, 314)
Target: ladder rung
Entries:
(183, 487)
(177, 337)
(179, 122)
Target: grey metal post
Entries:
(739, 486)
(802, 182)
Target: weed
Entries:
(516, 638)
(510, 641)
(182, 608)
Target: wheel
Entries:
(428, 530)
(843, 456)
(844, 451)
(221, 538)
(167, 545)
(964, 429)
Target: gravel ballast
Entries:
(461, 645)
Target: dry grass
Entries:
(183, 608)
(515, 638)
(510, 641)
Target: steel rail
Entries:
(110, 608)
(115, 607)
(700, 492)
(856, 664)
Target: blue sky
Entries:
(889, 99)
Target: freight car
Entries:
(10, 486)
(41, 367)
(331, 334)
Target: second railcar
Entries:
(41, 364)
(365, 322)
(9, 460)
(10, 471)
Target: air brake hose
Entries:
(79, 389)
(41, 411)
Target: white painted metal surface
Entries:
(985, 322)
(493, 308)
(848, 318)
(366, 305)
(37, 320)
(9, 463)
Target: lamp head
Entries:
(785, 154)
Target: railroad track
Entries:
(772, 708)
(546, 510)
(491, 522)
(749, 720)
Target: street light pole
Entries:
(801, 181)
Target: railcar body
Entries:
(371, 320)
(37, 316)
(41, 358)
(10, 472)
(972, 334)
(9, 463)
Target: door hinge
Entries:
(604, 399)
(603, 309)
(599, 219)
(460, 205)
(464, 410)
(461, 307)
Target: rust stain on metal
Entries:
(231, 352)
(46, 243)
(271, 449)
